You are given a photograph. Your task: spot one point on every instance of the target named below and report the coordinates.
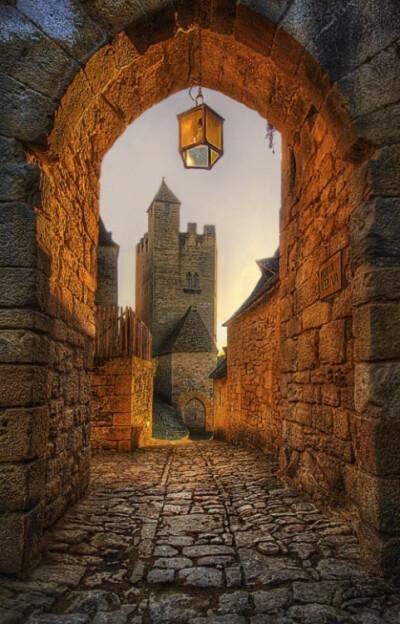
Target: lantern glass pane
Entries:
(213, 156)
(214, 129)
(192, 127)
(197, 157)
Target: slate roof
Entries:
(105, 238)
(164, 194)
(189, 335)
(269, 268)
(221, 371)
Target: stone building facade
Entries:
(107, 268)
(246, 381)
(176, 298)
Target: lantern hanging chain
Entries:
(270, 132)
(198, 96)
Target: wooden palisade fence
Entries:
(120, 333)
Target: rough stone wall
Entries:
(122, 403)
(190, 372)
(181, 373)
(252, 387)
(107, 276)
(317, 345)
(220, 407)
(304, 70)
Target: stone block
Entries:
(20, 183)
(375, 284)
(294, 435)
(32, 58)
(376, 445)
(332, 342)
(385, 171)
(381, 127)
(341, 424)
(23, 385)
(72, 29)
(377, 389)
(113, 16)
(23, 319)
(255, 32)
(376, 332)
(26, 114)
(374, 233)
(23, 433)
(307, 350)
(22, 485)
(122, 419)
(330, 395)
(373, 85)
(322, 418)
(20, 536)
(18, 245)
(316, 315)
(356, 34)
(377, 499)
(23, 287)
(23, 346)
(11, 152)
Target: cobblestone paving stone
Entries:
(201, 533)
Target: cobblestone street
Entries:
(197, 533)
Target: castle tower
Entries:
(174, 270)
(176, 298)
(107, 268)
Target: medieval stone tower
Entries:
(176, 298)
(107, 268)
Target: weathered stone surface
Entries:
(32, 58)
(17, 235)
(21, 485)
(375, 326)
(23, 433)
(71, 28)
(270, 600)
(377, 389)
(23, 287)
(200, 577)
(27, 115)
(175, 607)
(25, 385)
(19, 183)
(374, 228)
(259, 568)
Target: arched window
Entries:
(196, 281)
(189, 281)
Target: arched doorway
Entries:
(194, 416)
(333, 200)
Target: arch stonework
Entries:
(204, 400)
(333, 92)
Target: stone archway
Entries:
(340, 193)
(194, 416)
(203, 412)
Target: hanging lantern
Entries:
(200, 135)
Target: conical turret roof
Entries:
(189, 334)
(164, 194)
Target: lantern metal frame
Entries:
(203, 142)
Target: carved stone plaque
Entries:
(330, 276)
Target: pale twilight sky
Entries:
(240, 195)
